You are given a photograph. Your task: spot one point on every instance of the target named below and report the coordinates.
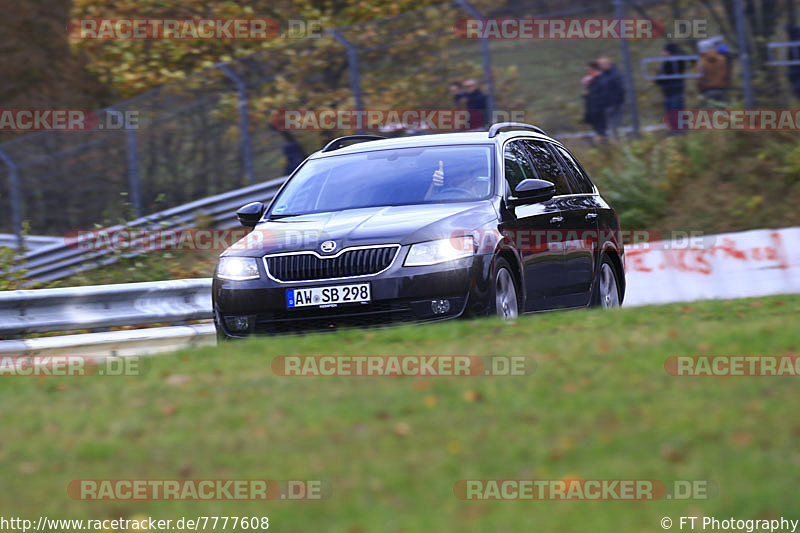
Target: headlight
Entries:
(237, 268)
(433, 252)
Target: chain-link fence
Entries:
(212, 132)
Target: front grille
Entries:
(307, 266)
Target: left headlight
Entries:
(433, 252)
(237, 268)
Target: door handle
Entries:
(591, 216)
(557, 220)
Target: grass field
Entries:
(596, 404)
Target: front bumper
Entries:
(399, 294)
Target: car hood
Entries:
(363, 227)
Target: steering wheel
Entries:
(453, 193)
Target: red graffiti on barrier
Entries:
(644, 257)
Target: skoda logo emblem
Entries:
(328, 246)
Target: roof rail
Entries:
(495, 129)
(339, 142)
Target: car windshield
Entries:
(402, 176)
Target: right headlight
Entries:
(433, 252)
(237, 268)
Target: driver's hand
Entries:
(438, 176)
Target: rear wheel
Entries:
(606, 286)
(505, 291)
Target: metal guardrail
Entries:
(121, 343)
(104, 306)
(49, 263)
(31, 242)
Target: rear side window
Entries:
(517, 166)
(580, 181)
(547, 166)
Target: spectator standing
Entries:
(594, 111)
(457, 92)
(293, 153)
(612, 89)
(477, 105)
(714, 77)
(672, 88)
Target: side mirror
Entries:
(532, 191)
(250, 214)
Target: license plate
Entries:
(328, 296)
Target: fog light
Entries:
(440, 307)
(237, 323)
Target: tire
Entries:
(606, 286)
(505, 291)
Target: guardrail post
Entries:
(630, 86)
(352, 66)
(744, 54)
(14, 198)
(486, 59)
(134, 184)
(244, 121)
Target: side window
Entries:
(517, 166)
(580, 181)
(547, 166)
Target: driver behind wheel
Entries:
(464, 182)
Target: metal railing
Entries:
(56, 261)
(104, 306)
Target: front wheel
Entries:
(606, 286)
(505, 291)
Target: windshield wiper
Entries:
(276, 217)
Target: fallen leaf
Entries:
(742, 438)
(27, 467)
(401, 428)
(670, 453)
(472, 396)
(179, 379)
